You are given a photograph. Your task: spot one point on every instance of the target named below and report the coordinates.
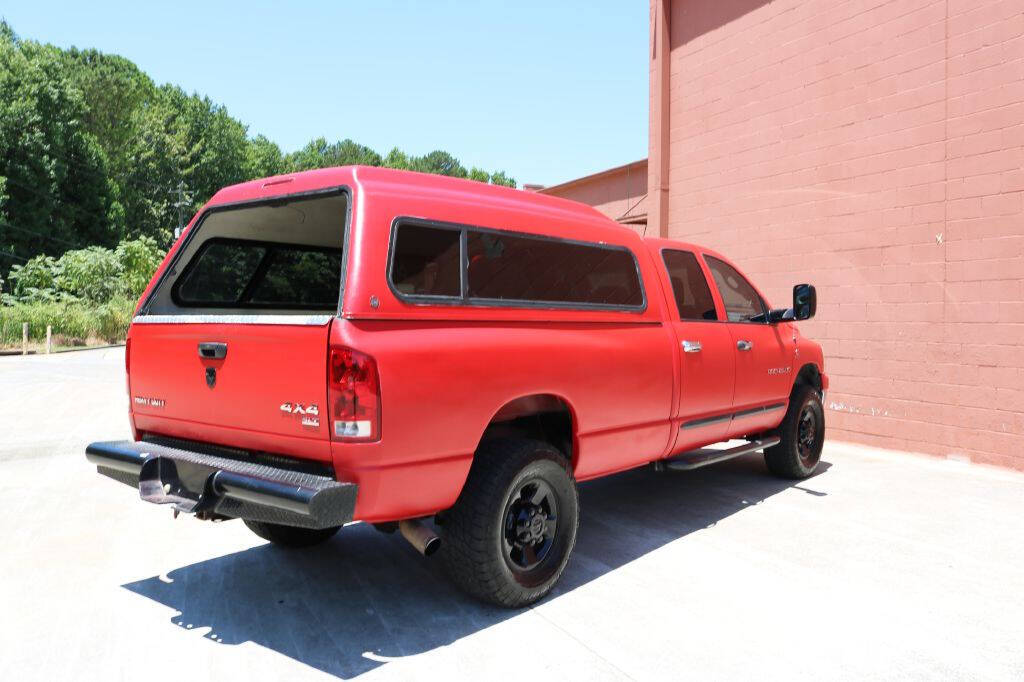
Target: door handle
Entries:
(213, 351)
(743, 344)
(691, 346)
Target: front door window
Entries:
(742, 303)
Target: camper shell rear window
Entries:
(240, 273)
(278, 256)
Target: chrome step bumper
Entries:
(215, 486)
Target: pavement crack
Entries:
(583, 644)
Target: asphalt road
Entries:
(882, 566)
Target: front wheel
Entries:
(803, 436)
(507, 539)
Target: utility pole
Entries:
(184, 200)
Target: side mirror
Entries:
(805, 302)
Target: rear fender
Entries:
(513, 419)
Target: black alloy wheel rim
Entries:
(530, 525)
(807, 436)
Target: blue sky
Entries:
(546, 91)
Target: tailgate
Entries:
(260, 386)
(229, 346)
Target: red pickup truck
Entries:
(447, 359)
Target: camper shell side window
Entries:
(442, 263)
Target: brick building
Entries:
(876, 149)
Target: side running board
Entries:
(704, 456)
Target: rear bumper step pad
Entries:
(211, 486)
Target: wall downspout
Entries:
(658, 148)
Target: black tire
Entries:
(508, 538)
(803, 436)
(290, 536)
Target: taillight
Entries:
(353, 394)
(128, 368)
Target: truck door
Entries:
(763, 352)
(706, 357)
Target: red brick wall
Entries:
(876, 149)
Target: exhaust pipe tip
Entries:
(420, 536)
(433, 544)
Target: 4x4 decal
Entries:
(310, 413)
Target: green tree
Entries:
(55, 189)
(500, 178)
(7, 33)
(182, 138)
(114, 91)
(396, 158)
(92, 151)
(153, 170)
(263, 158)
(318, 153)
(440, 163)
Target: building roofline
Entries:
(592, 176)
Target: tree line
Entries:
(92, 153)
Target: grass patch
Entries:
(74, 324)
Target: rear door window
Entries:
(689, 286)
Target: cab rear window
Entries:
(237, 273)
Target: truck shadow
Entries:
(363, 598)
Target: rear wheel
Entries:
(803, 436)
(290, 536)
(507, 539)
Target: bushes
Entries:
(139, 259)
(33, 281)
(88, 294)
(76, 321)
(94, 274)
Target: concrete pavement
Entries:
(55, 404)
(885, 566)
